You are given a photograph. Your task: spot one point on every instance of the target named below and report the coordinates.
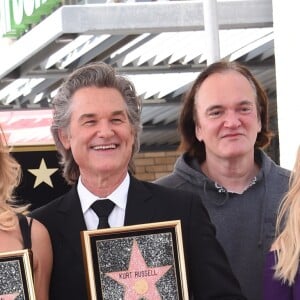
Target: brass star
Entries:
(42, 174)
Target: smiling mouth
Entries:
(105, 147)
(232, 135)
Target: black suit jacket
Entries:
(209, 274)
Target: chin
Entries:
(234, 153)
(111, 168)
(105, 169)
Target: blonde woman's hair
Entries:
(287, 243)
(10, 174)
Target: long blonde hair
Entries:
(287, 244)
(10, 174)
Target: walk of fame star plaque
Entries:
(16, 280)
(140, 262)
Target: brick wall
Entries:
(153, 165)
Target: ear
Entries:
(198, 132)
(64, 138)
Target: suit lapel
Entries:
(72, 219)
(138, 209)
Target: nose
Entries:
(104, 130)
(232, 120)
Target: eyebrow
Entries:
(247, 102)
(212, 107)
(217, 106)
(119, 112)
(86, 116)
(92, 115)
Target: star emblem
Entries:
(42, 174)
(139, 280)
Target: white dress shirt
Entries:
(118, 197)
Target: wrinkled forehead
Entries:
(228, 84)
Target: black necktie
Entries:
(103, 208)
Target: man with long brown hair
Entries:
(224, 126)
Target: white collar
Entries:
(118, 196)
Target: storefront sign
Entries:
(16, 16)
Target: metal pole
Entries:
(211, 30)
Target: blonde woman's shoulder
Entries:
(38, 230)
(42, 259)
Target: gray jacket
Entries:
(245, 222)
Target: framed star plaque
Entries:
(16, 279)
(41, 175)
(139, 262)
